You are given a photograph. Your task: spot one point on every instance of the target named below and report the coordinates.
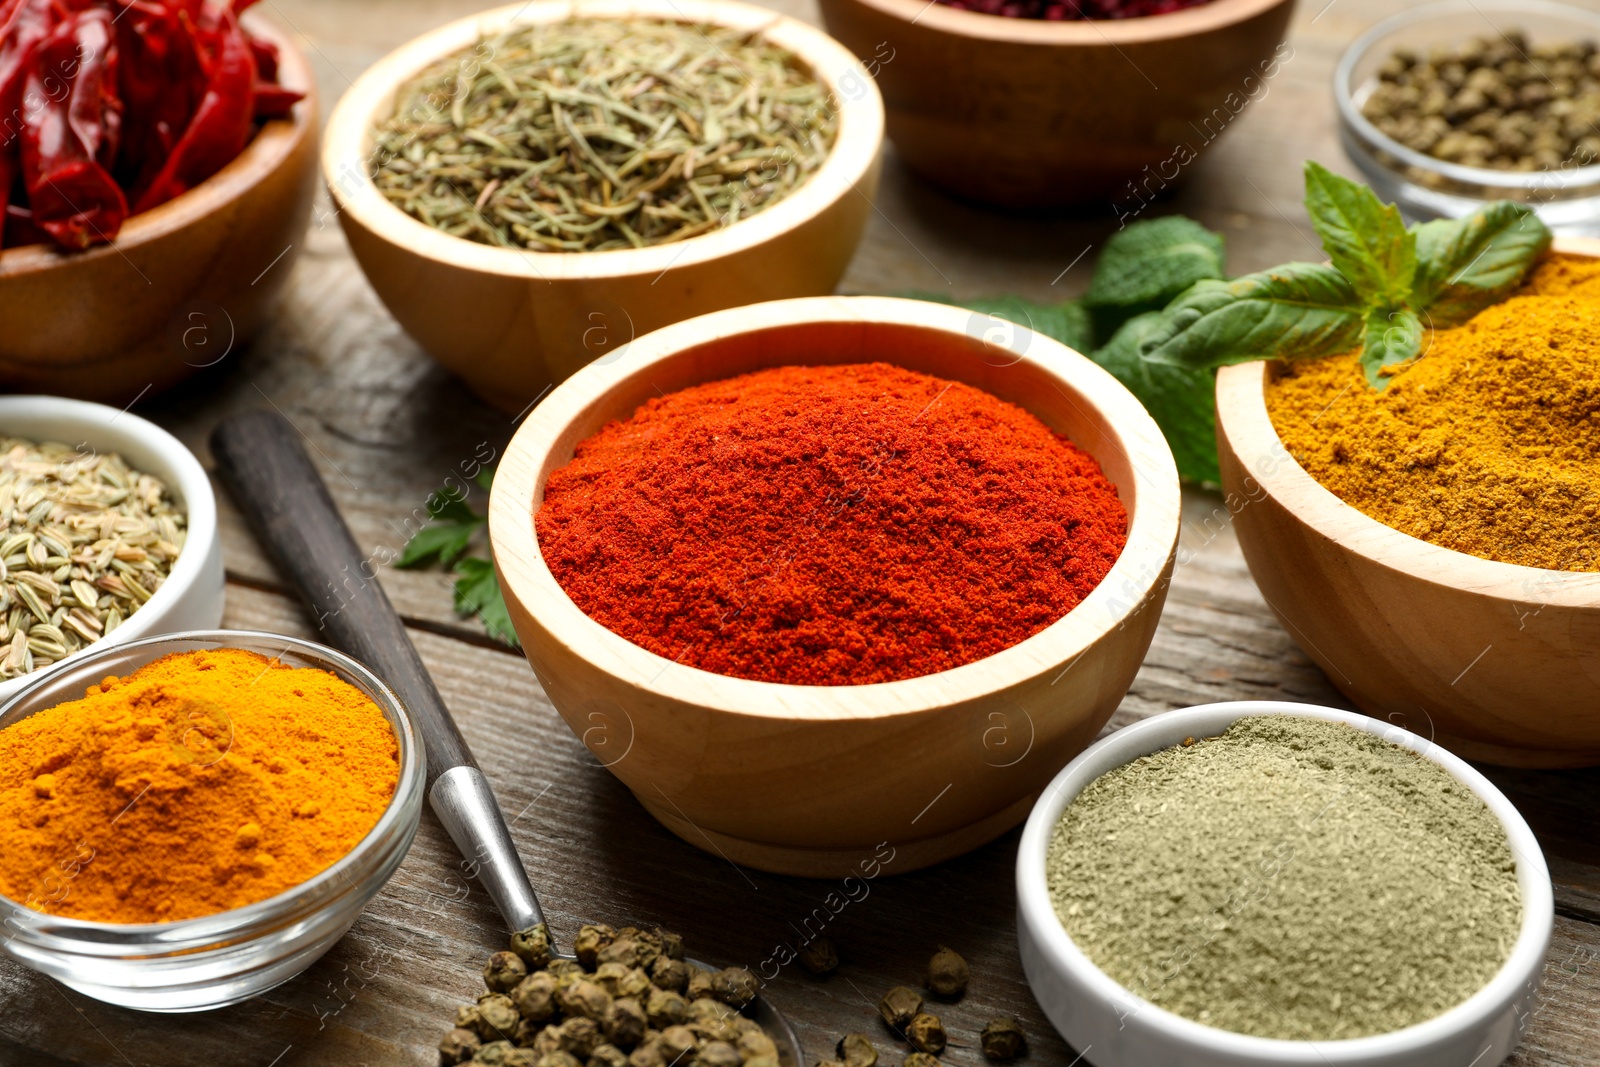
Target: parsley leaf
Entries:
(477, 592)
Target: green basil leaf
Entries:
(477, 592)
(1465, 265)
(1365, 238)
(1145, 265)
(1180, 399)
(1296, 311)
(1392, 336)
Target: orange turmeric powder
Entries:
(1488, 444)
(203, 781)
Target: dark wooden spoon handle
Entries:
(262, 462)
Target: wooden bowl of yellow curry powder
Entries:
(190, 820)
(1435, 546)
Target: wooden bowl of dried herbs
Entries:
(531, 188)
(837, 580)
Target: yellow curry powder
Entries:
(201, 782)
(1489, 444)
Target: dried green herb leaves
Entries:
(446, 539)
(598, 134)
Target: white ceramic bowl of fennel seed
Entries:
(1114, 1027)
(191, 596)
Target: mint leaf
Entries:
(477, 592)
(1066, 322)
(1180, 399)
(1465, 265)
(1147, 264)
(1296, 311)
(1365, 238)
(1392, 336)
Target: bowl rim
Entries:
(1344, 94)
(347, 143)
(1524, 962)
(1139, 572)
(1189, 22)
(185, 478)
(1245, 427)
(409, 779)
(262, 156)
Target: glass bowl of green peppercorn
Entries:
(1449, 105)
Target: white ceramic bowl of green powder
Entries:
(1275, 883)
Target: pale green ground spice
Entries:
(1293, 878)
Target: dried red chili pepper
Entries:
(221, 124)
(69, 119)
(136, 102)
(829, 525)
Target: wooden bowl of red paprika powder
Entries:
(813, 779)
(1030, 113)
(183, 284)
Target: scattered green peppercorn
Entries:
(899, 1006)
(592, 937)
(735, 986)
(948, 974)
(819, 956)
(1003, 1039)
(920, 1059)
(925, 1033)
(503, 971)
(668, 973)
(497, 1017)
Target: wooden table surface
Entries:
(387, 426)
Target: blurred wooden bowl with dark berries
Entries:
(1016, 103)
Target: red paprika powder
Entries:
(829, 525)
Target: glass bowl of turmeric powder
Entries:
(190, 820)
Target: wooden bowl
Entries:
(511, 322)
(1023, 113)
(1494, 661)
(183, 284)
(813, 779)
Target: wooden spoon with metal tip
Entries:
(261, 461)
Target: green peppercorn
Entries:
(626, 1023)
(458, 1046)
(585, 998)
(592, 937)
(668, 973)
(493, 1054)
(920, 1059)
(734, 986)
(754, 1043)
(948, 974)
(671, 943)
(856, 1050)
(532, 946)
(699, 983)
(925, 1033)
(521, 1057)
(558, 1058)
(623, 950)
(666, 1008)
(503, 971)
(717, 1054)
(899, 1006)
(535, 997)
(497, 1017)
(1003, 1039)
(819, 956)
(579, 1037)
(607, 1056)
(677, 1041)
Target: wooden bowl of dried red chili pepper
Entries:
(147, 237)
(1028, 112)
(813, 779)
